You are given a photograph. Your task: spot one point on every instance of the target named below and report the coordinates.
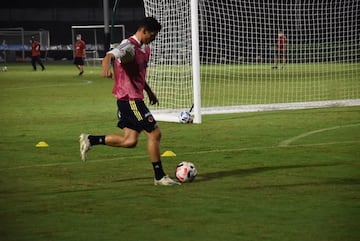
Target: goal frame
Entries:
(198, 110)
(196, 60)
(94, 28)
(20, 41)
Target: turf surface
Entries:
(281, 175)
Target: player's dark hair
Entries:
(150, 24)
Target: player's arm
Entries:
(125, 52)
(153, 99)
(106, 64)
(84, 51)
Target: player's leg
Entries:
(40, 63)
(127, 121)
(75, 63)
(128, 140)
(284, 57)
(33, 62)
(153, 133)
(79, 63)
(276, 58)
(81, 66)
(153, 146)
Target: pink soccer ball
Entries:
(186, 171)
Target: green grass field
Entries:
(259, 83)
(281, 175)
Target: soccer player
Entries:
(131, 59)
(35, 54)
(80, 51)
(280, 49)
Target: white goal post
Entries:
(220, 55)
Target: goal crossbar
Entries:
(93, 54)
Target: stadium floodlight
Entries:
(236, 52)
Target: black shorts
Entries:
(135, 115)
(79, 60)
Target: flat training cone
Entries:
(168, 153)
(42, 144)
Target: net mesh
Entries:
(15, 43)
(237, 41)
(170, 73)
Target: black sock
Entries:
(158, 170)
(97, 140)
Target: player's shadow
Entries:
(204, 177)
(209, 176)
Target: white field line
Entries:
(185, 153)
(295, 138)
(85, 82)
(283, 144)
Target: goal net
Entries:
(94, 37)
(239, 66)
(15, 43)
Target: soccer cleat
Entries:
(84, 145)
(166, 181)
(81, 73)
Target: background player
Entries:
(80, 53)
(35, 54)
(280, 49)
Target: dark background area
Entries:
(67, 3)
(318, 30)
(58, 16)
